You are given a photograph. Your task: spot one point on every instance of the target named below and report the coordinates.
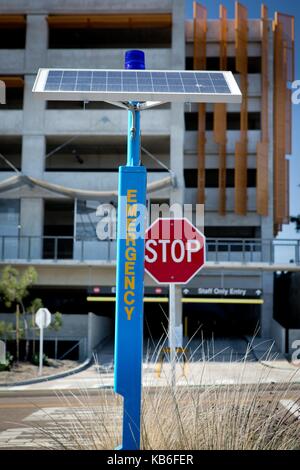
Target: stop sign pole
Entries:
(172, 331)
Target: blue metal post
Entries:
(130, 285)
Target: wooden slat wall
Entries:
(262, 173)
(283, 27)
(220, 116)
(200, 30)
(241, 148)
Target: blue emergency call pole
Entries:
(130, 274)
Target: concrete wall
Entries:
(99, 328)
(89, 329)
(101, 58)
(278, 333)
(80, 6)
(294, 342)
(73, 327)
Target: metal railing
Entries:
(52, 248)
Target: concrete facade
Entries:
(89, 330)
(38, 125)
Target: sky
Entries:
(290, 7)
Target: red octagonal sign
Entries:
(174, 251)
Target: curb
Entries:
(47, 378)
(59, 375)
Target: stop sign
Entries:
(174, 251)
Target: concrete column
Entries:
(267, 222)
(178, 35)
(36, 42)
(33, 109)
(33, 145)
(32, 208)
(33, 155)
(35, 57)
(177, 132)
(32, 222)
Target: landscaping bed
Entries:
(27, 371)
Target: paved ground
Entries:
(51, 422)
(31, 414)
(219, 362)
(38, 422)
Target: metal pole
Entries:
(130, 284)
(172, 332)
(41, 350)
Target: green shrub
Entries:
(6, 366)
(36, 360)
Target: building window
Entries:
(58, 229)
(233, 121)
(9, 218)
(101, 154)
(212, 178)
(12, 31)
(110, 31)
(213, 63)
(11, 149)
(14, 91)
(232, 232)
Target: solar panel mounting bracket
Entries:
(139, 106)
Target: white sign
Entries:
(43, 318)
(2, 352)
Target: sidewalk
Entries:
(219, 363)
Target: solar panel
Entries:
(137, 85)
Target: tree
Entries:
(56, 325)
(56, 322)
(14, 287)
(6, 330)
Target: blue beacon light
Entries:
(134, 60)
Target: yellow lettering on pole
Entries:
(130, 253)
(129, 312)
(131, 226)
(129, 282)
(126, 295)
(132, 210)
(130, 241)
(131, 195)
(129, 268)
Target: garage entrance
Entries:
(156, 317)
(220, 319)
